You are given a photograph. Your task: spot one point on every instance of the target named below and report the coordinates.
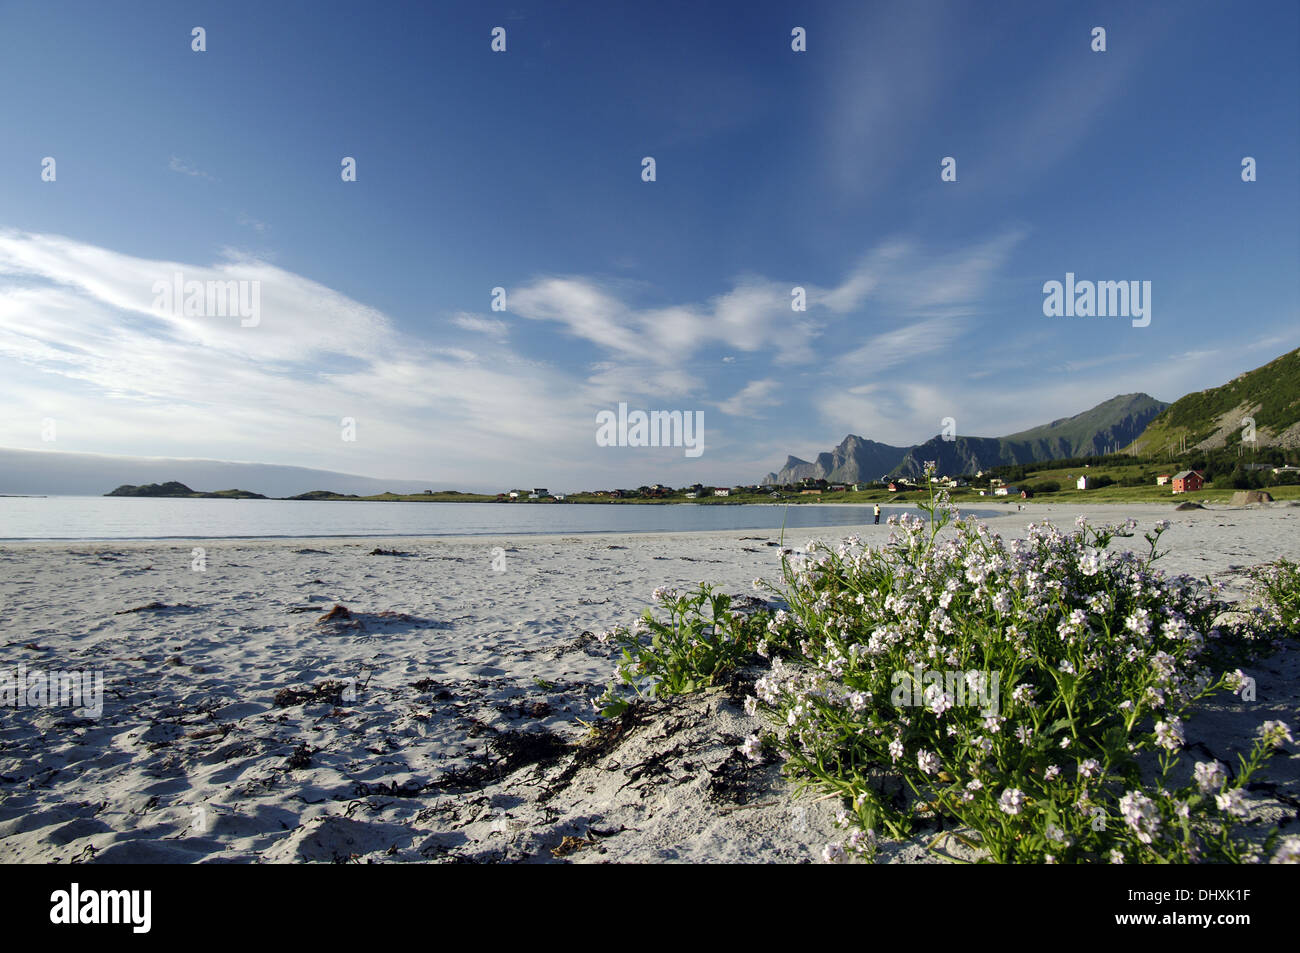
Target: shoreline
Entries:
(1106, 512)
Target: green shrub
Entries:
(1278, 586)
(701, 639)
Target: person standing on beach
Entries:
(877, 512)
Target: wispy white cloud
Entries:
(754, 315)
(81, 342)
(752, 398)
(248, 221)
(926, 298)
(895, 281)
(491, 327)
(904, 345)
(177, 164)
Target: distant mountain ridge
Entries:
(1107, 427)
(1268, 397)
(855, 459)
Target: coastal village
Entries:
(984, 484)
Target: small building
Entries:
(1006, 491)
(721, 491)
(559, 496)
(894, 487)
(541, 491)
(691, 495)
(1163, 479)
(1188, 481)
(1083, 483)
(514, 494)
(1026, 494)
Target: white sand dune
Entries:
(471, 684)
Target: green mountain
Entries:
(1215, 418)
(1104, 429)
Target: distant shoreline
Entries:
(1102, 497)
(1059, 514)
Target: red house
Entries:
(1188, 481)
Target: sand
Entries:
(462, 677)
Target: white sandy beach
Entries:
(470, 686)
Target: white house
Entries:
(722, 491)
(1082, 483)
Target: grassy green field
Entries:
(1067, 477)
(1148, 494)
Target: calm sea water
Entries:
(98, 517)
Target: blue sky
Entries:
(522, 170)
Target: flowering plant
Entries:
(702, 638)
(1032, 693)
(1081, 661)
(1278, 586)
